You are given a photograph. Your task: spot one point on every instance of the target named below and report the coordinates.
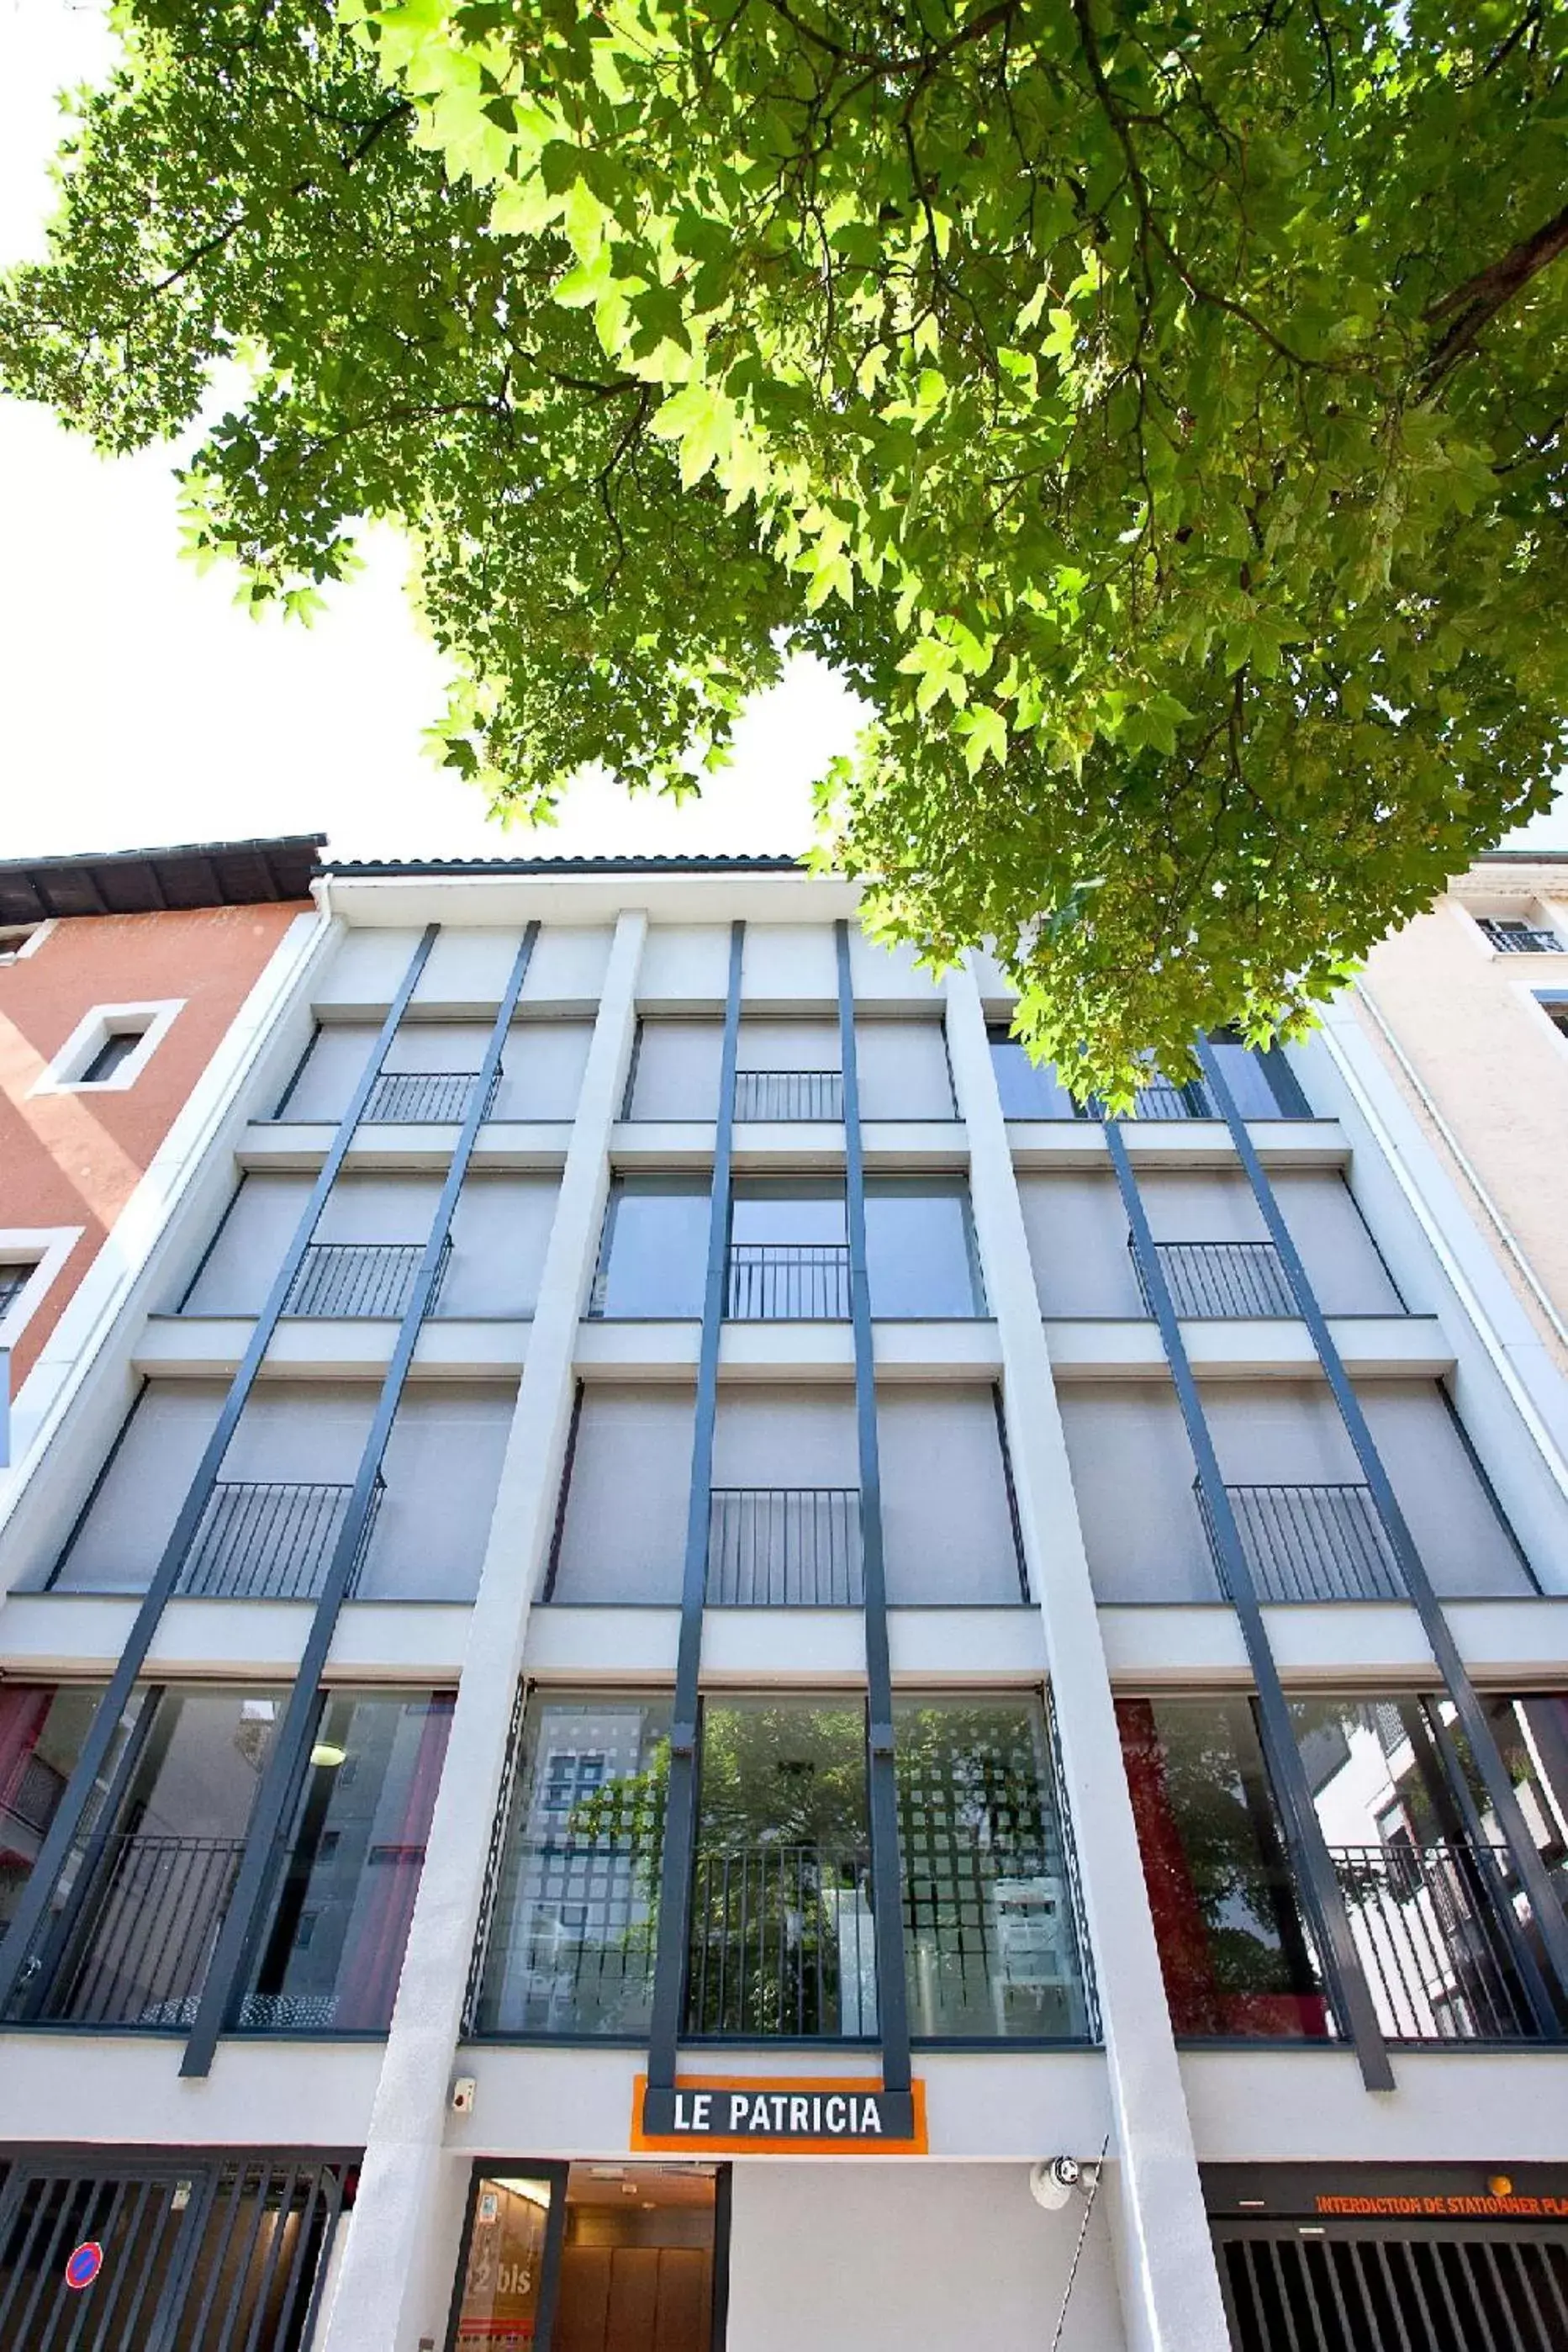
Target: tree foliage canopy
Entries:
(1155, 407)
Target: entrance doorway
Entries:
(593, 2258)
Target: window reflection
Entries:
(135, 1914)
(1233, 1944)
(920, 1254)
(781, 1938)
(992, 1950)
(654, 1251)
(333, 1952)
(571, 1942)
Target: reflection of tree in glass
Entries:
(1218, 1878)
(781, 1898)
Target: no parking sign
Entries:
(84, 2263)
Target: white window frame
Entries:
(37, 933)
(48, 1247)
(152, 1019)
(1536, 915)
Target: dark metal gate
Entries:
(212, 2255)
(1379, 2286)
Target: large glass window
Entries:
(1247, 1075)
(1437, 1912)
(330, 1960)
(653, 1256)
(571, 1937)
(42, 1729)
(136, 1912)
(781, 1938)
(920, 1255)
(1234, 1947)
(991, 1948)
(1029, 1089)
(789, 1253)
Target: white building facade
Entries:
(687, 1627)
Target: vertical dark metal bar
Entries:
(882, 1787)
(1544, 1902)
(61, 2237)
(51, 1857)
(103, 2230)
(286, 1762)
(679, 1858)
(329, 2192)
(1303, 1829)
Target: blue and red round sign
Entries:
(84, 2264)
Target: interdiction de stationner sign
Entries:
(779, 2114)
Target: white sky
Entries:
(138, 706)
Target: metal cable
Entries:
(1090, 2195)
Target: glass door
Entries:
(511, 2254)
(611, 2257)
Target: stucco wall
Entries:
(73, 1158)
(886, 2258)
(1495, 1070)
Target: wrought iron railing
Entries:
(1309, 1543)
(270, 1540)
(1431, 1926)
(361, 1278)
(782, 1943)
(789, 1094)
(573, 1937)
(785, 1548)
(1523, 939)
(1215, 1279)
(137, 1949)
(1161, 1098)
(405, 1097)
(788, 1282)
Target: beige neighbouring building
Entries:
(1468, 1007)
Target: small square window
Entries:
(110, 1047)
(16, 1274)
(18, 939)
(115, 1051)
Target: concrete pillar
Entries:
(395, 2286)
(1170, 2287)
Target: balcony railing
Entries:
(789, 1094)
(1431, 1924)
(1523, 939)
(785, 1548)
(782, 1943)
(572, 1945)
(1310, 1543)
(361, 1278)
(137, 1951)
(788, 1282)
(407, 1098)
(269, 1540)
(1162, 1099)
(1217, 1279)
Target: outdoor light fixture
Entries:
(329, 1755)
